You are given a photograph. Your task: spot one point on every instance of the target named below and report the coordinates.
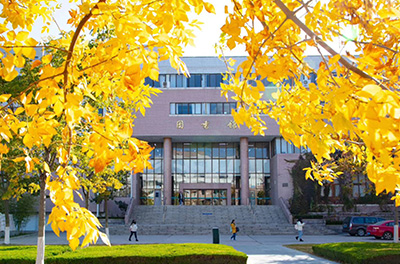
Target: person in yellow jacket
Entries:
(233, 230)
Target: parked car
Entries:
(382, 229)
(357, 225)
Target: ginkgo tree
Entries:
(354, 106)
(58, 106)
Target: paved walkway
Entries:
(260, 249)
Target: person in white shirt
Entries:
(133, 228)
(299, 227)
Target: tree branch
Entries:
(290, 15)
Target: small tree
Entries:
(306, 193)
(22, 209)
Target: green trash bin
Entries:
(215, 233)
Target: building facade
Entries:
(200, 151)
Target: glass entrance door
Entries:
(205, 197)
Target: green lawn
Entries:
(149, 253)
(354, 252)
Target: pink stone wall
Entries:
(281, 181)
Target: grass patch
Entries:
(360, 252)
(306, 248)
(126, 254)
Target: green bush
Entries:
(308, 216)
(360, 252)
(127, 254)
(333, 222)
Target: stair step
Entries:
(200, 220)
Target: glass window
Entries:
(201, 179)
(193, 151)
(220, 108)
(215, 165)
(259, 152)
(252, 151)
(172, 80)
(205, 109)
(177, 151)
(213, 108)
(370, 220)
(179, 166)
(237, 165)
(214, 80)
(186, 166)
(193, 166)
(230, 152)
(183, 109)
(227, 109)
(186, 153)
(265, 152)
(158, 152)
(215, 178)
(151, 82)
(252, 166)
(192, 109)
(278, 146)
(201, 166)
(193, 178)
(208, 150)
(230, 166)
(152, 165)
(284, 146)
(267, 166)
(208, 166)
(194, 80)
(259, 165)
(358, 220)
(173, 166)
(163, 80)
(200, 151)
(158, 166)
(222, 152)
(181, 81)
(215, 153)
(172, 109)
(222, 166)
(208, 178)
(197, 110)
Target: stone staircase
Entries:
(200, 220)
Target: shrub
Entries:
(359, 252)
(127, 254)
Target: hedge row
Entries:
(360, 252)
(127, 254)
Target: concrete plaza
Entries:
(260, 249)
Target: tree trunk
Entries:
(106, 211)
(396, 224)
(86, 195)
(42, 219)
(7, 218)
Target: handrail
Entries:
(285, 210)
(129, 212)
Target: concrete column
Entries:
(135, 188)
(244, 171)
(167, 171)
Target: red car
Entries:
(382, 229)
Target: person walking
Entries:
(133, 228)
(181, 198)
(233, 230)
(299, 227)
